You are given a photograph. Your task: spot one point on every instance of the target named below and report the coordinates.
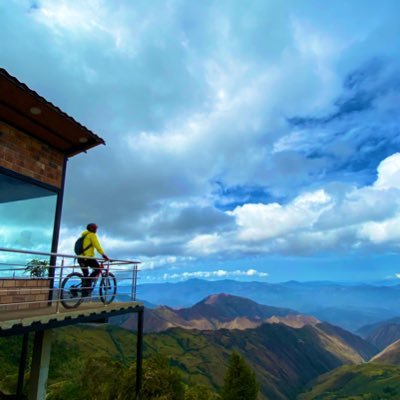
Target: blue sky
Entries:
(247, 140)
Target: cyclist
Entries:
(90, 243)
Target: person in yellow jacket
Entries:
(90, 243)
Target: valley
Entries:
(292, 354)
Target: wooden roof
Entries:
(26, 110)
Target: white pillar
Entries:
(40, 365)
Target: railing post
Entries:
(105, 283)
(59, 286)
(133, 291)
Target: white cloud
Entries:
(220, 273)
(205, 244)
(265, 221)
(69, 15)
(317, 221)
(389, 173)
(93, 20)
(381, 232)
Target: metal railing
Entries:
(55, 280)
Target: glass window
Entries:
(27, 215)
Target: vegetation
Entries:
(100, 379)
(10, 349)
(200, 361)
(199, 356)
(200, 392)
(37, 268)
(240, 381)
(98, 362)
(357, 382)
(160, 381)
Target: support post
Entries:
(40, 365)
(22, 365)
(139, 353)
(56, 232)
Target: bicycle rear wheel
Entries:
(108, 288)
(71, 290)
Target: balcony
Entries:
(44, 290)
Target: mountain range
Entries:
(350, 306)
(291, 353)
(286, 349)
(284, 358)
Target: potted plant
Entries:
(37, 268)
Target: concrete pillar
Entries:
(139, 353)
(40, 365)
(22, 365)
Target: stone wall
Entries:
(23, 293)
(28, 156)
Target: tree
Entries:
(37, 268)
(159, 382)
(240, 381)
(101, 378)
(200, 392)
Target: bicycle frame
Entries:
(100, 273)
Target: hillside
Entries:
(218, 311)
(284, 358)
(381, 334)
(356, 382)
(354, 341)
(367, 330)
(384, 336)
(286, 349)
(389, 355)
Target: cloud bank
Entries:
(232, 130)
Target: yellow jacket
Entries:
(91, 240)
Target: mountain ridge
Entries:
(217, 311)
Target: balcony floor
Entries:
(22, 321)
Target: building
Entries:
(36, 140)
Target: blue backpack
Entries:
(78, 248)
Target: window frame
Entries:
(59, 191)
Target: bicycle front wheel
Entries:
(71, 290)
(108, 288)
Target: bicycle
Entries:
(71, 287)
